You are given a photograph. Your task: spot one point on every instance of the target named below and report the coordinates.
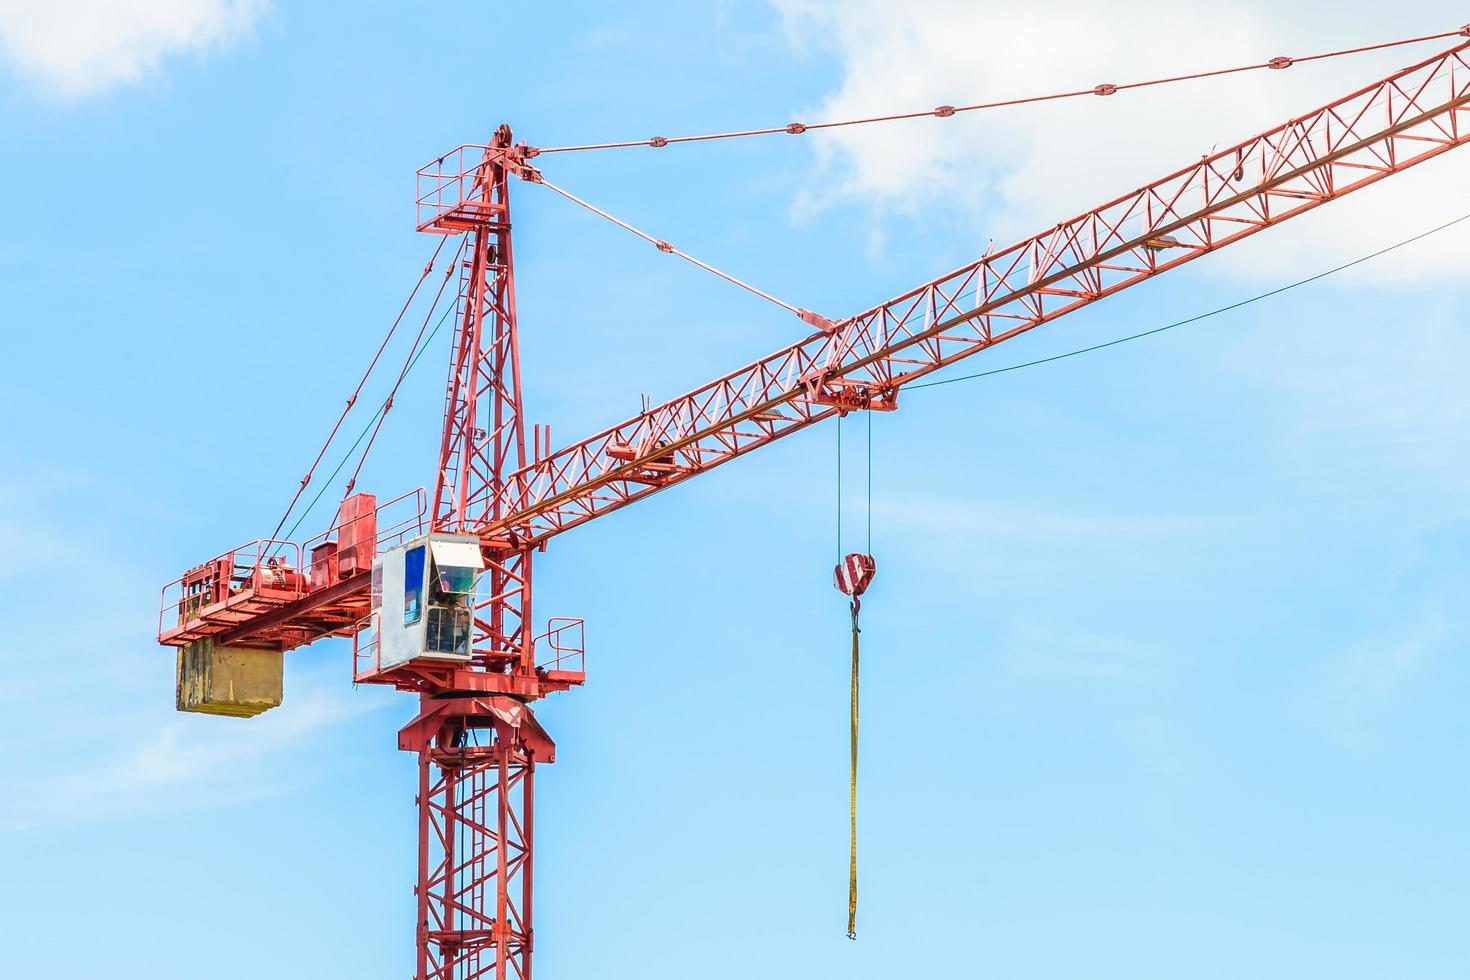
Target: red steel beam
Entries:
(328, 597)
(1382, 129)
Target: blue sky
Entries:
(1164, 664)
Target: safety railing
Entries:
(268, 569)
(366, 651)
(563, 643)
(402, 518)
(561, 646)
(451, 191)
(394, 522)
(274, 572)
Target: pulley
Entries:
(854, 574)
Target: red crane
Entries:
(496, 500)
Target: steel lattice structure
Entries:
(475, 805)
(1403, 120)
(476, 739)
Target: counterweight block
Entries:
(239, 682)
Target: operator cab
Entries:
(422, 599)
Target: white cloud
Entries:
(1071, 655)
(1381, 392)
(970, 519)
(106, 666)
(1353, 692)
(165, 761)
(73, 48)
(1020, 169)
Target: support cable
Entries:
(328, 482)
(365, 430)
(945, 111)
(668, 249)
(413, 355)
(972, 293)
(352, 400)
(1202, 316)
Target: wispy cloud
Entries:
(1351, 692)
(75, 48)
(1013, 171)
(164, 761)
(974, 519)
(1075, 655)
(1383, 391)
(83, 649)
(22, 531)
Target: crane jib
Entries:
(1351, 143)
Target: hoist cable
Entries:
(1202, 316)
(666, 248)
(945, 111)
(853, 728)
(852, 772)
(852, 786)
(352, 400)
(839, 488)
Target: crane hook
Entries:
(852, 577)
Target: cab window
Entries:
(456, 580)
(413, 585)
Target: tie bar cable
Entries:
(352, 399)
(413, 355)
(421, 344)
(945, 111)
(806, 316)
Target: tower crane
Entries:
(434, 588)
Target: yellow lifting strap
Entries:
(852, 788)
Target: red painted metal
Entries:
(1412, 116)
(477, 764)
(475, 801)
(854, 574)
(263, 592)
(1382, 129)
(476, 739)
(484, 438)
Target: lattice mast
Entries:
(484, 437)
(478, 754)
